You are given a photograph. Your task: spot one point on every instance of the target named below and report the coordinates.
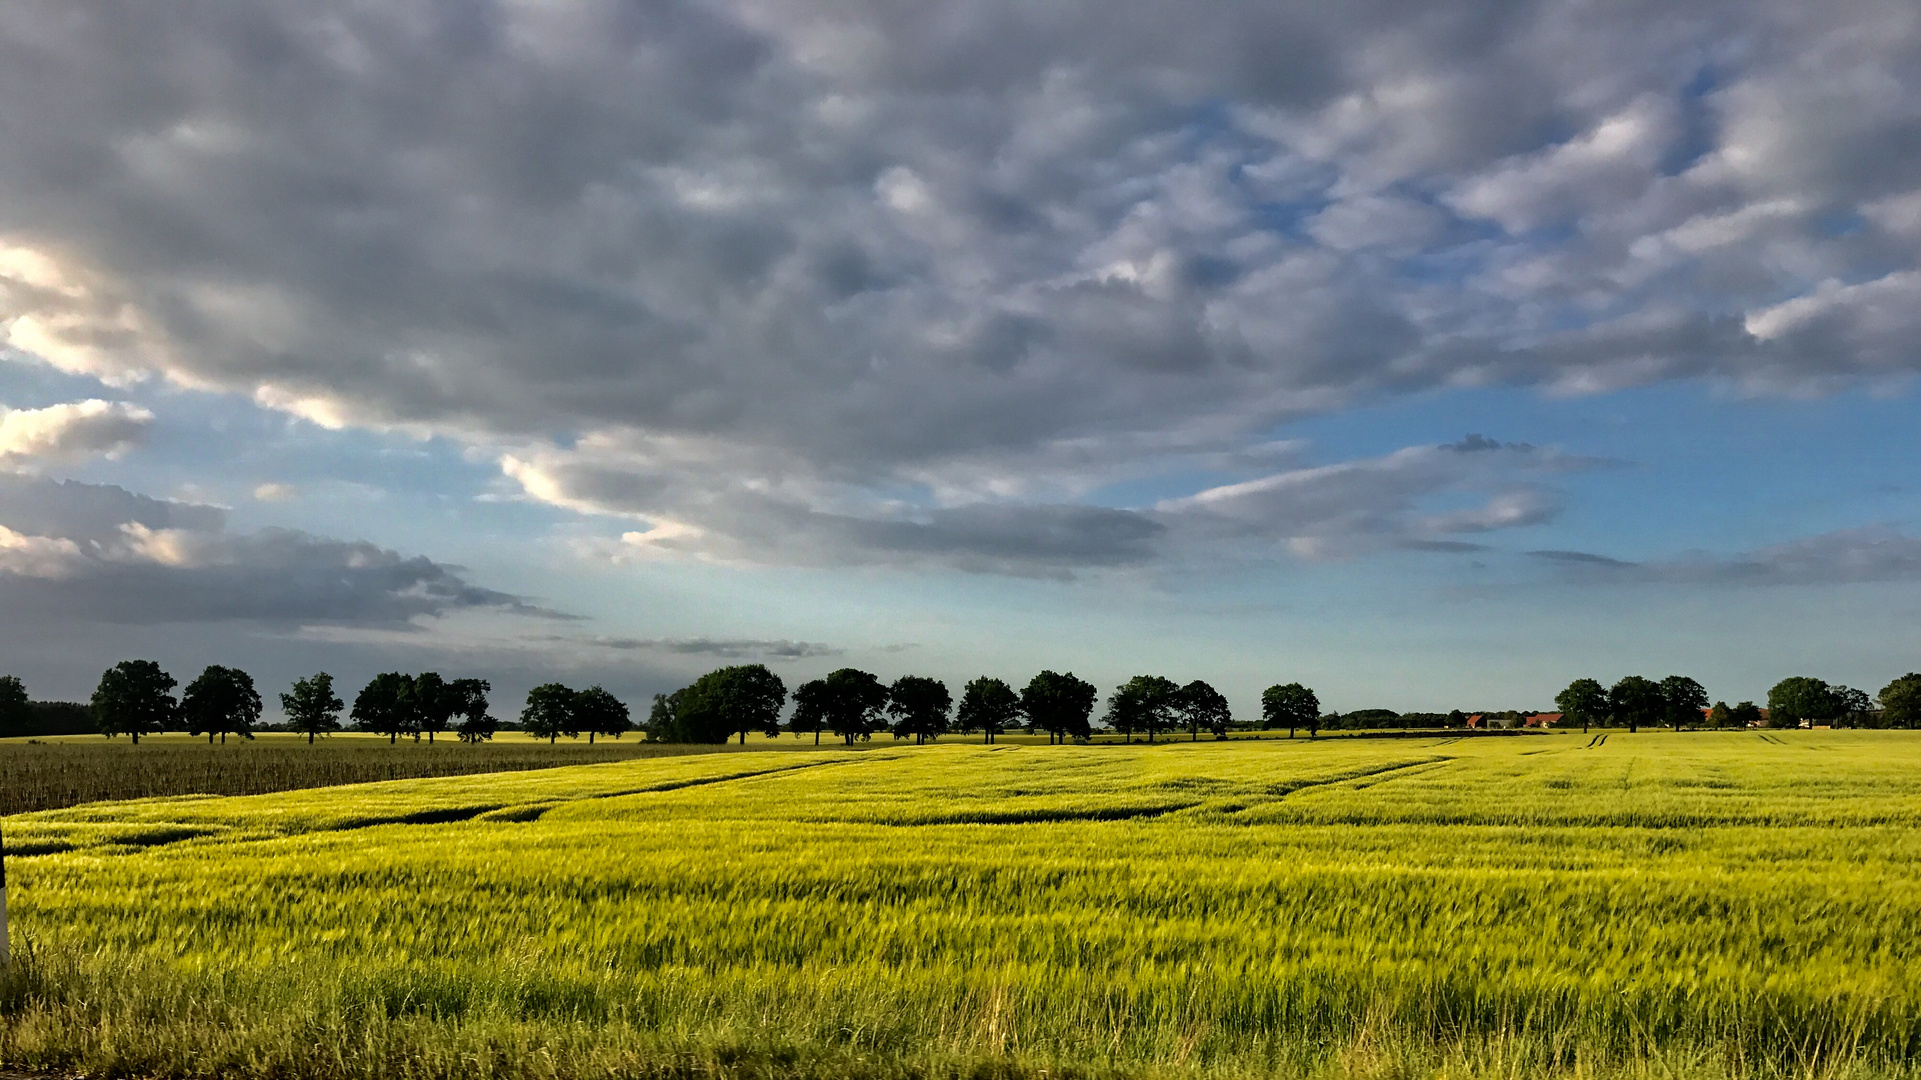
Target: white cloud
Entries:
(72, 431)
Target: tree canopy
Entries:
(1636, 702)
(1901, 701)
(854, 700)
(1060, 705)
(989, 706)
(1202, 706)
(722, 703)
(468, 698)
(1684, 699)
(385, 705)
(1584, 701)
(135, 697)
(549, 712)
(1143, 703)
(1801, 698)
(597, 712)
(312, 707)
(220, 701)
(1293, 706)
(921, 707)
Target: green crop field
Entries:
(1660, 905)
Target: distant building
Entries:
(1542, 719)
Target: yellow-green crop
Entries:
(1711, 903)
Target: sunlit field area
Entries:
(1662, 904)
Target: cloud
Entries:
(88, 553)
(729, 648)
(838, 283)
(73, 431)
(1875, 553)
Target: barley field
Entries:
(1653, 905)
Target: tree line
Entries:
(136, 698)
(1681, 702)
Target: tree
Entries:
(1202, 706)
(1744, 715)
(1718, 716)
(468, 700)
(432, 705)
(1143, 703)
(1583, 700)
(385, 705)
(1060, 705)
(988, 705)
(1293, 705)
(920, 707)
(1637, 701)
(312, 707)
(854, 700)
(549, 712)
(1799, 698)
(1684, 698)
(222, 701)
(660, 718)
(598, 712)
(723, 702)
(1853, 706)
(135, 697)
(751, 700)
(810, 708)
(1901, 702)
(16, 709)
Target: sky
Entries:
(1432, 355)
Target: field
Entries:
(1711, 905)
(47, 773)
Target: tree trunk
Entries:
(309, 738)
(590, 739)
(430, 736)
(816, 736)
(743, 736)
(136, 736)
(393, 737)
(552, 739)
(209, 738)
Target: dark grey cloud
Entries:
(88, 553)
(907, 285)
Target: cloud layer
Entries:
(845, 282)
(90, 553)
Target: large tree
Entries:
(662, 717)
(549, 712)
(810, 708)
(1685, 699)
(1144, 703)
(855, 700)
(16, 709)
(433, 706)
(1745, 715)
(469, 702)
(1636, 701)
(312, 707)
(135, 697)
(1853, 706)
(1293, 705)
(921, 707)
(1202, 706)
(990, 706)
(1583, 700)
(385, 705)
(220, 701)
(1060, 705)
(598, 712)
(725, 702)
(1799, 698)
(1901, 702)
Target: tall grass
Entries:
(1654, 906)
